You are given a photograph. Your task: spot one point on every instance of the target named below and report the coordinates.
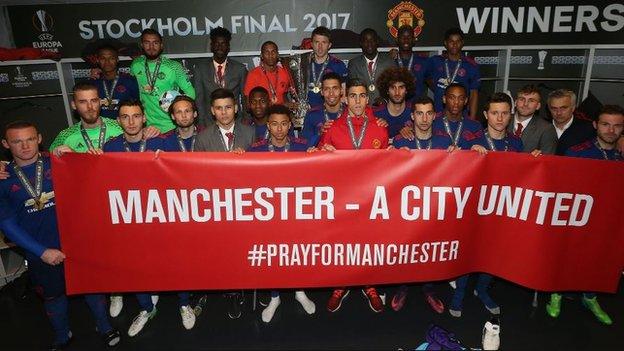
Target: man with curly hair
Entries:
(395, 85)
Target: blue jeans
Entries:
(481, 288)
(145, 300)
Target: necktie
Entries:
(370, 67)
(518, 132)
(220, 75)
(230, 141)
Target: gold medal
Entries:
(316, 89)
(371, 87)
(442, 83)
(37, 196)
(147, 88)
(40, 203)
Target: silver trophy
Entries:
(542, 57)
(299, 83)
(41, 16)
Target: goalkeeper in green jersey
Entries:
(92, 131)
(90, 134)
(158, 76)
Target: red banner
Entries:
(198, 221)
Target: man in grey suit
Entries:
(225, 134)
(218, 72)
(368, 66)
(536, 133)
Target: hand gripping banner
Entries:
(193, 221)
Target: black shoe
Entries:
(199, 306)
(112, 338)
(264, 298)
(62, 346)
(234, 305)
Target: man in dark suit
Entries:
(368, 66)
(570, 130)
(218, 72)
(536, 133)
(225, 134)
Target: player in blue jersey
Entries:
(28, 218)
(183, 111)
(317, 117)
(258, 105)
(113, 86)
(321, 63)
(496, 138)
(413, 62)
(463, 132)
(609, 128)
(425, 139)
(132, 119)
(453, 67)
(395, 85)
(422, 115)
(279, 122)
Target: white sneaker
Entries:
(116, 305)
(154, 300)
(269, 311)
(139, 321)
(188, 317)
(455, 313)
(491, 336)
(307, 304)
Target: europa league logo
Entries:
(43, 21)
(20, 80)
(20, 75)
(542, 57)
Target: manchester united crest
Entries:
(405, 13)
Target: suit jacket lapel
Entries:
(363, 66)
(529, 130)
(230, 75)
(210, 69)
(532, 126)
(238, 135)
(218, 138)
